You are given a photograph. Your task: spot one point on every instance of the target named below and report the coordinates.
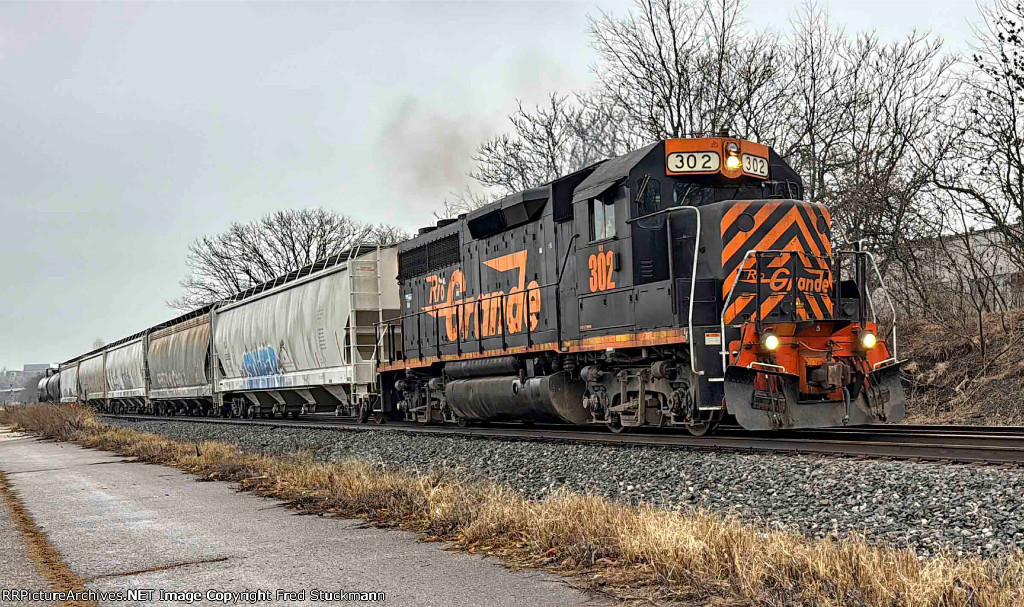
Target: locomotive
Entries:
(681, 284)
(676, 285)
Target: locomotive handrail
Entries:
(888, 361)
(892, 307)
(558, 292)
(693, 274)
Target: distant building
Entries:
(15, 378)
(976, 266)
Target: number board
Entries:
(755, 165)
(704, 156)
(693, 162)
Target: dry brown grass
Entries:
(951, 379)
(43, 555)
(627, 551)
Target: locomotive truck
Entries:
(681, 284)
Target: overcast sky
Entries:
(128, 130)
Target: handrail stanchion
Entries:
(757, 293)
(437, 333)
(526, 319)
(504, 342)
(558, 291)
(479, 327)
(419, 335)
(458, 328)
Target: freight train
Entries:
(681, 284)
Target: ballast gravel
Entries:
(930, 507)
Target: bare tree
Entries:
(988, 168)
(956, 274)
(679, 68)
(464, 201)
(568, 133)
(892, 141)
(846, 111)
(668, 69)
(815, 110)
(248, 254)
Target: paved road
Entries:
(125, 525)
(15, 569)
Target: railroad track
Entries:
(979, 444)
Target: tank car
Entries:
(678, 285)
(53, 386)
(48, 387)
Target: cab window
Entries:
(649, 202)
(602, 218)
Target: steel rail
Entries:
(916, 445)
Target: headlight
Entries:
(732, 156)
(868, 340)
(770, 342)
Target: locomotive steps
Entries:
(627, 551)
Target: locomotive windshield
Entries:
(693, 194)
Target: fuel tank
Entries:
(551, 398)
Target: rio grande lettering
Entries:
(489, 314)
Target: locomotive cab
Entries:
(715, 244)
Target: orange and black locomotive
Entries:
(676, 285)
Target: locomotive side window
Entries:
(650, 202)
(602, 219)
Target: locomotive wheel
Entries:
(379, 418)
(702, 429)
(616, 426)
(462, 422)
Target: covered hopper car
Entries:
(681, 284)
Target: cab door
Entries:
(650, 252)
(604, 282)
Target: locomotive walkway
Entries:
(120, 525)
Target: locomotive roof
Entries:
(609, 172)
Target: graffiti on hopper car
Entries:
(261, 362)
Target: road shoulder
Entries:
(123, 525)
